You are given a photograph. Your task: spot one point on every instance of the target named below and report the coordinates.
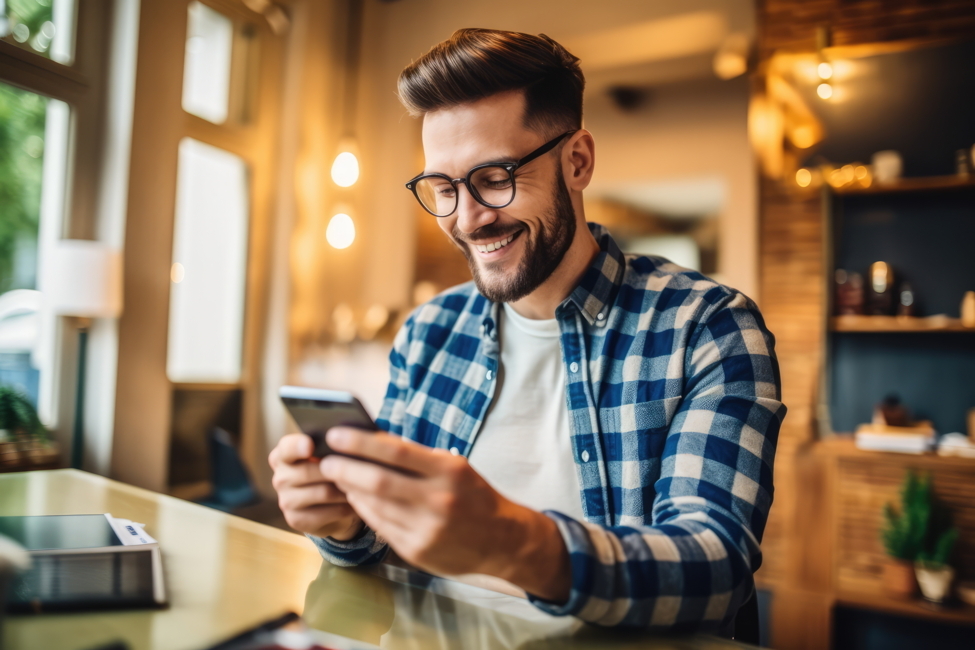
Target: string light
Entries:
(341, 231)
(345, 169)
(825, 91)
(825, 70)
(803, 177)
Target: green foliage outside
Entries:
(18, 416)
(22, 116)
(21, 164)
(921, 529)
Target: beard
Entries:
(543, 253)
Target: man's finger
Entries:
(292, 448)
(383, 448)
(296, 475)
(309, 496)
(314, 519)
(351, 474)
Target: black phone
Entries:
(317, 410)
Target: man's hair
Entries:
(476, 63)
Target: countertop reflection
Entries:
(225, 575)
(391, 607)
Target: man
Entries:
(597, 429)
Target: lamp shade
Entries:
(83, 278)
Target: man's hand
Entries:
(438, 514)
(310, 503)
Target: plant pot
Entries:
(935, 581)
(899, 578)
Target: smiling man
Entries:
(596, 428)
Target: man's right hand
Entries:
(310, 503)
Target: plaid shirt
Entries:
(672, 388)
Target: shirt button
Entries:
(573, 367)
(456, 452)
(488, 375)
(585, 456)
(600, 316)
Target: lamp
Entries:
(83, 280)
(345, 167)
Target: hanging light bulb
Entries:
(345, 167)
(340, 232)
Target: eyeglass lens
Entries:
(490, 186)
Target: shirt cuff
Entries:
(581, 567)
(364, 548)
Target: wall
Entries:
(682, 134)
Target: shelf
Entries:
(960, 613)
(897, 324)
(842, 447)
(918, 184)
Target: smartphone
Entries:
(317, 410)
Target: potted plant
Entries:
(904, 534)
(24, 441)
(932, 569)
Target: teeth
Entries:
(493, 246)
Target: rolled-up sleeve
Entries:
(692, 566)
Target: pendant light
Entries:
(345, 167)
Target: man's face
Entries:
(511, 250)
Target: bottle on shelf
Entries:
(968, 309)
(849, 293)
(880, 300)
(905, 300)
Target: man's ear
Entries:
(578, 160)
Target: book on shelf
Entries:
(918, 438)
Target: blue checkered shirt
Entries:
(673, 394)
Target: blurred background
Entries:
(201, 201)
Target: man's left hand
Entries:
(440, 515)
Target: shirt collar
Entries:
(594, 294)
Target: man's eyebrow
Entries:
(508, 159)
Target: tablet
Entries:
(78, 562)
(317, 410)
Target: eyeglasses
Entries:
(491, 184)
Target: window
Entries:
(209, 272)
(33, 161)
(45, 27)
(206, 68)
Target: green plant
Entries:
(904, 532)
(18, 416)
(939, 555)
(921, 529)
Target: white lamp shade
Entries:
(83, 278)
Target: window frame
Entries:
(82, 86)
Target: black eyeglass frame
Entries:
(511, 167)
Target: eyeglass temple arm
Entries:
(544, 149)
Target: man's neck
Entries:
(541, 303)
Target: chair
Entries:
(232, 486)
(746, 622)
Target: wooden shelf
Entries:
(897, 324)
(919, 184)
(842, 446)
(959, 613)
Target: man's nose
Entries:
(471, 215)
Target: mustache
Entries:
(490, 232)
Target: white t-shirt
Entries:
(524, 448)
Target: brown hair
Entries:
(476, 63)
